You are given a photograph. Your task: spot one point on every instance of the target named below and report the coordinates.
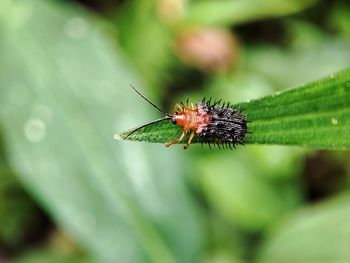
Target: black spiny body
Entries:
(227, 125)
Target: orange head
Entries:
(179, 118)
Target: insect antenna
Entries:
(143, 126)
(155, 106)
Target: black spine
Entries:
(227, 126)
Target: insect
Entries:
(213, 123)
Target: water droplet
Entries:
(334, 121)
(34, 130)
(76, 27)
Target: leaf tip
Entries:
(117, 137)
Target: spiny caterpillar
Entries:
(213, 123)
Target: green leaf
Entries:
(313, 115)
(316, 234)
(228, 12)
(249, 201)
(140, 18)
(64, 90)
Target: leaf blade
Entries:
(314, 234)
(314, 115)
(56, 120)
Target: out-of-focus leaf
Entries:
(51, 256)
(313, 115)
(145, 40)
(227, 12)
(316, 234)
(222, 256)
(57, 248)
(64, 90)
(20, 217)
(252, 202)
(287, 67)
(340, 19)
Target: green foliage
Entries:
(313, 115)
(65, 72)
(317, 232)
(22, 218)
(51, 109)
(225, 12)
(152, 63)
(252, 202)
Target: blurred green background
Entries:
(70, 193)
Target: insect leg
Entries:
(178, 140)
(189, 140)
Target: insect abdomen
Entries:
(227, 126)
